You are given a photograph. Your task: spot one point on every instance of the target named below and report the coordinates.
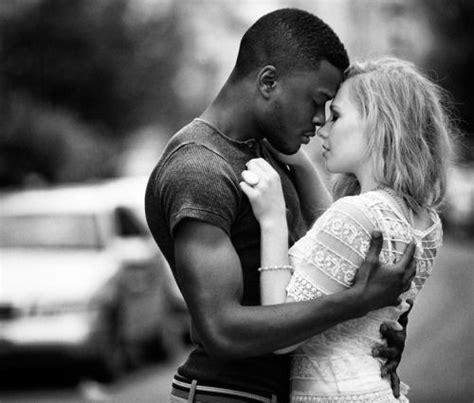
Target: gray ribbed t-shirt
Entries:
(198, 177)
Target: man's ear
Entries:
(267, 80)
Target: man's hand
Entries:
(381, 285)
(393, 351)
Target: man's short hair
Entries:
(289, 39)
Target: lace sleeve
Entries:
(326, 259)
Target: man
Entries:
(290, 64)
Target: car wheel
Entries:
(110, 360)
(158, 347)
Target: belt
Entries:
(193, 391)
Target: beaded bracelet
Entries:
(271, 268)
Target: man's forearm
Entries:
(257, 330)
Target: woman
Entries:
(389, 137)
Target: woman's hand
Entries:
(262, 185)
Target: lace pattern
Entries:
(373, 397)
(326, 260)
(302, 289)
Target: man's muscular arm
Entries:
(210, 277)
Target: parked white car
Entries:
(80, 274)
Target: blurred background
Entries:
(90, 92)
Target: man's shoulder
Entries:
(193, 142)
(194, 158)
(189, 158)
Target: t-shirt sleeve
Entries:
(196, 182)
(327, 258)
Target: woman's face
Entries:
(343, 136)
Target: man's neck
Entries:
(231, 115)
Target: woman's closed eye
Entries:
(333, 116)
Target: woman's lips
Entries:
(325, 150)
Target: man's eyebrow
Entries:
(326, 95)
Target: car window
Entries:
(50, 231)
(127, 223)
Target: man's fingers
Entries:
(394, 335)
(389, 367)
(386, 352)
(403, 320)
(398, 301)
(376, 243)
(409, 274)
(407, 255)
(395, 381)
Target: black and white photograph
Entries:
(241, 201)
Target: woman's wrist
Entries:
(272, 224)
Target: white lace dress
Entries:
(337, 365)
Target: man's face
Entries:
(298, 106)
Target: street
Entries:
(148, 384)
(437, 363)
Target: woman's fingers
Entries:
(260, 172)
(260, 166)
(248, 190)
(250, 177)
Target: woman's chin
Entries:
(331, 169)
(336, 170)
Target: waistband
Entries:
(196, 391)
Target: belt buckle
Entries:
(194, 387)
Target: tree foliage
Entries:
(92, 68)
(453, 57)
(86, 56)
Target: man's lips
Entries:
(306, 137)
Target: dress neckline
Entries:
(396, 204)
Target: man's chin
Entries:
(287, 150)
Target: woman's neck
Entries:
(366, 180)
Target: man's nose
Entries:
(321, 131)
(319, 117)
